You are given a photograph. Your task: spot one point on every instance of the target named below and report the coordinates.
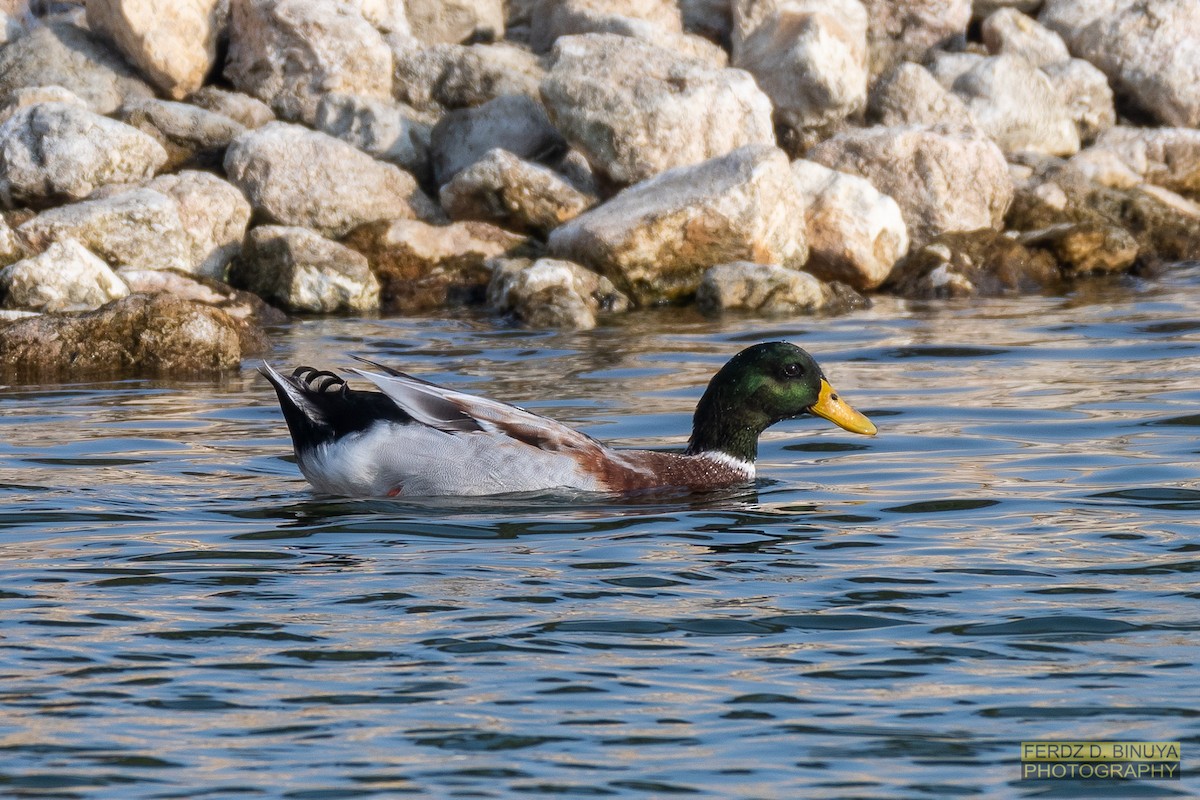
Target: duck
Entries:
(408, 437)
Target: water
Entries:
(1012, 558)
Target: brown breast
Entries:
(633, 470)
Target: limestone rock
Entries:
(1166, 157)
(977, 263)
(772, 290)
(1016, 105)
(1086, 93)
(250, 112)
(422, 267)
(512, 122)
(654, 240)
(507, 191)
(1009, 32)
(140, 228)
(855, 234)
(550, 293)
(301, 271)
(140, 334)
(1150, 51)
(17, 99)
(385, 130)
(56, 152)
(811, 60)
(909, 95)
(552, 19)
(907, 30)
(191, 136)
(173, 44)
(66, 277)
(295, 176)
(944, 179)
(214, 216)
(60, 54)
(636, 110)
(289, 53)
(455, 21)
(448, 76)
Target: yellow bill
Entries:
(839, 412)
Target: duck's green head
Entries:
(760, 386)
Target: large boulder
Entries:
(454, 21)
(65, 277)
(513, 193)
(811, 60)
(60, 54)
(1166, 157)
(943, 178)
(1009, 32)
(192, 137)
(1150, 51)
(909, 95)
(173, 44)
(636, 110)
(514, 122)
(1017, 105)
(295, 176)
(908, 30)
(550, 293)
(384, 129)
(52, 153)
(445, 76)
(1086, 93)
(654, 240)
(139, 228)
(214, 216)
(855, 233)
(289, 53)
(157, 335)
(421, 267)
(300, 271)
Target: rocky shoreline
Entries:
(174, 177)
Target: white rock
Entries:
(1085, 91)
(513, 193)
(301, 271)
(385, 130)
(138, 228)
(295, 176)
(192, 136)
(173, 44)
(65, 277)
(855, 234)
(1015, 104)
(764, 288)
(17, 99)
(1149, 49)
(811, 60)
(1166, 157)
(943, 179)
(51, 152)
(60, 54)
(655, 239)
(909, 30)
(909, 95)
(288, 53)
(1009, 32)
(515, 123)
(454, 21)
(214, 215)
(249, 111)
(551, 293)
(552, 19)
(635, 110)
(432, 79)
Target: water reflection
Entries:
(1013, 557)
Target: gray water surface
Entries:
(1012, 558)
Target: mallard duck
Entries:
(415, 438)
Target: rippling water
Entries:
(1012, 558)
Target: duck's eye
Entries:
(793, 370)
